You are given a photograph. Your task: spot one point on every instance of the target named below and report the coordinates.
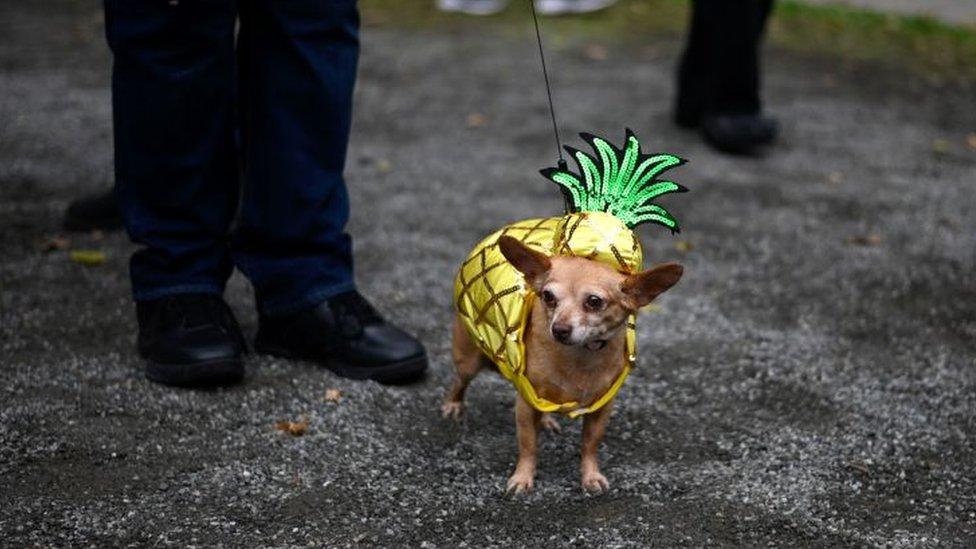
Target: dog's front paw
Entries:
(594, 482)
(452, 410)
(519, 482)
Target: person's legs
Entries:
(736, 37)
(173, 111)
(298, 66)
(176, 180)
(719, 74)
(693, 70)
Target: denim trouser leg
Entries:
(179, 97)
(175, 167)
(297, 64)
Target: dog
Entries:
(575, 345)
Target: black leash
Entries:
(545, 75)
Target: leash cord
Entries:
(545, 75)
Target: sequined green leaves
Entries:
(622, 182)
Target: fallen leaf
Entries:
(971, 141)
(865, 240)
(293, 428)
(683, 246)
(835, 178)
(477, 120)
(333, 395)
(384, 166)
(55, 243)
(88, 258)
(941, 146)
(595, 52)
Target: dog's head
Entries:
(587, 302)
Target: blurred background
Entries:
(811, 381)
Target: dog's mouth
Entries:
(596, 344)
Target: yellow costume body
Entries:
(494, 302)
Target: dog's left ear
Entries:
(641, 288)
(531, 263)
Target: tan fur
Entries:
(582, 367)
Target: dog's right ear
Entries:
(641, 288)
(531, 263)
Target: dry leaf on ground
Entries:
(683, 246)
(595, 52)
(55, 243)
(89, 258)
(293, 428)
(333, 395)
(476, 120)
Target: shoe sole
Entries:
(397, 373)
(208, 373)
(478, 9)
(574, 8)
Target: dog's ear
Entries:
(531, 263)
(641, 288)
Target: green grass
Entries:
(921, 44)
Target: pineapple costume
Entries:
(612, 195)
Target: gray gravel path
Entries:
(809, 383)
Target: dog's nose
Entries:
(562, 332)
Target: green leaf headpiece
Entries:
(623, 183)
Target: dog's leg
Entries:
(527, 429)
(594, 426)
(468, 361)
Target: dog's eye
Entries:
(548, 298)
(594, 303)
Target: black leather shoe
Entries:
(347, 336)
(190, 340)
(739, 133)
(98, 211)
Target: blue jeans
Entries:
(233, 156)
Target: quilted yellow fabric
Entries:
(494, 302)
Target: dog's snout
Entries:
(562, 332)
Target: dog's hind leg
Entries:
(468, 361)
(550, 423)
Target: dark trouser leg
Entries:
(175, 168)
(298, 66)
(719, 72)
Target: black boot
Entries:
(347, 336)
(97, 211)
(190, 340)
(739, 133)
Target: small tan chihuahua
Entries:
(574, 346)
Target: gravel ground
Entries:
(809, 383)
